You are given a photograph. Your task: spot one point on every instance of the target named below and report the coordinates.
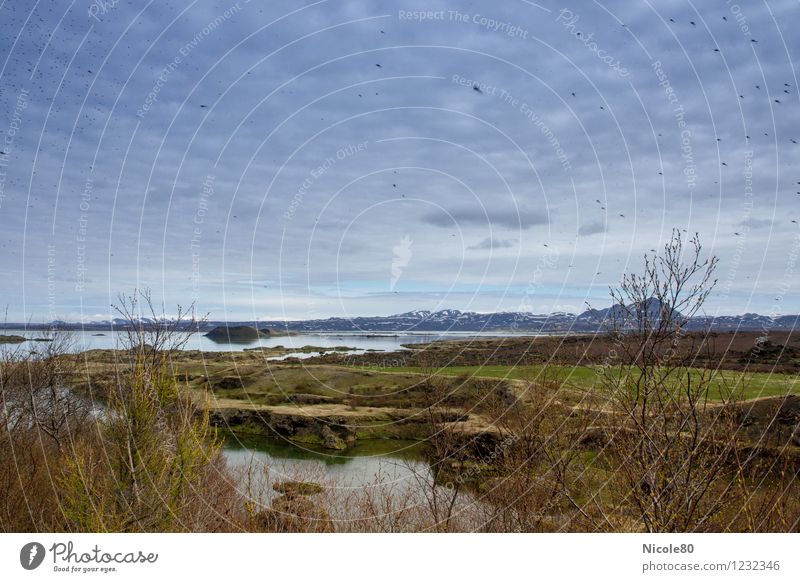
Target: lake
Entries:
(359, 341)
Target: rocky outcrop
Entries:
(772, 420)
(228, 383)
(766, 352)
(295, 488)
(331, 427)
(337, 428)
(331, 432)
(294, 511)
(331, 440)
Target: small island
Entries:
(11, 339)
(238, 333)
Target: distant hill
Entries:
(235, 333)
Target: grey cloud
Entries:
(493, 243)
(507, 217)
(592, 228)
(757, 223)
(434, 146)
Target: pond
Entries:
(392, 463)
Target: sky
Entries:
(297, 160)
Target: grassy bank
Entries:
(748, 384)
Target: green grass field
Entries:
(749, 384)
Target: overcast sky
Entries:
(289, 159)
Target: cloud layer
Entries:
(267, 159)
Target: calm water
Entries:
(392, 462)
(359, 341)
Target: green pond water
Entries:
(267, 461)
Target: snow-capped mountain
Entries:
(453, 320)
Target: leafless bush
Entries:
(149, 333)
(671, 445)
(536, 471)
(443, 443)
(40, 419)
(154, 463)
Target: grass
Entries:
(276, 384)
(750, 384)
(252, 380)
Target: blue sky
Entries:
(296, 160)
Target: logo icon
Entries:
(400, 259)
(31, 555)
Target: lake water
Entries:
(359, 341)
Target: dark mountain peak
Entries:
(652, 309)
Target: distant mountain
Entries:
(427, 321)
(652, 310)
(591, 320)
